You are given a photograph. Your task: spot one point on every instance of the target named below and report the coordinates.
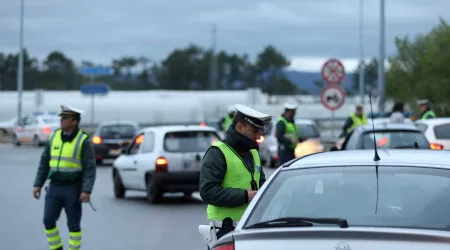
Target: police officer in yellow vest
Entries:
(68, 161)
(425, 110)
(231, 171)
(287, 134)
(226, 121)
(358, 118)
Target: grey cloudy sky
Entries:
(307, 31)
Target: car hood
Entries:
(340, 239)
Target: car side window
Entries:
(136, 144)
(421, 127)
(149, 142)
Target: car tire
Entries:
(119, 189)
(15, 141)
(153, 194)
(36, 142)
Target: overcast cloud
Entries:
(307, 31)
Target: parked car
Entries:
(345, 200)
(7, 127)
(163, 159)
(437, 131)
(111, 136)
(309, 142)
(35, 129)
(387, 135)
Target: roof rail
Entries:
(297, 159)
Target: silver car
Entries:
(345, 200)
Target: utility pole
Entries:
(381, 87)
(213, 66)
(362, 65)
(20, 66)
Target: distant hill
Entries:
(305, 80)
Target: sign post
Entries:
(93, 89)
(333, 95)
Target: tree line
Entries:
(418, 70)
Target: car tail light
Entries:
(260, 139)
(46, 130)
(436, 146)
(97, 140)
(202, 124)
(161, 164)
(139, 139)
(228, 246)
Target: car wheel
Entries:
(15, 141)
(119, 189)
(153, 194)
(36, 142)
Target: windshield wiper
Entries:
(299, 222)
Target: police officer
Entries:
(231, 172)
(358, 118)
(68, 161)
(287, 134)
(425, 110)
(226, 121)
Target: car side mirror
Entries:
(334, 148)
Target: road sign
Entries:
(333, 71)
(96, 71)
(94, 89)
(333, 97)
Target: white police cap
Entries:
(231, 108)
(68, 110)
(290, 105)
(422, 102)
(252, 116)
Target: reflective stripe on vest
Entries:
(290, 130)
(428, 113)
(65, 157)
(227, 121)
(236, 176)
(357, 121)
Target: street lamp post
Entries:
(381, 83)
(20, 66)
(361, 51)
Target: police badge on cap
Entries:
(254, 117)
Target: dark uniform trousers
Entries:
(285, 154)
(59, 197)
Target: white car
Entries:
(163, 159)
(437, 131)
(35, 129)
(6, 127)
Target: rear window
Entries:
(394, 139)
(408, 197)
(307, 131)
(442, 132)
(189, 141)
(118, 129)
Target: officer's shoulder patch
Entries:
(258, 169)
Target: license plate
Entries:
(114, 151)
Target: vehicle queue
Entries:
(174, 158)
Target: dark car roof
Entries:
(364, 157)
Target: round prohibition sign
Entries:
(333, 71)
(333, 97)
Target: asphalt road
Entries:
(132, 223)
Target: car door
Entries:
(126, 162)
(144, 160)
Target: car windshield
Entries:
(395, 139)
(408, 197)
(307, 131)
(118, 129)
(189, 141)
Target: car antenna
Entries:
(376, 157)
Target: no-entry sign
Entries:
(333, 71)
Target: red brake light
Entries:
(260, 139)
(161, 164)
(202, 124)
(97, 140)
(46, 130)
(436, 146)
(229, 246)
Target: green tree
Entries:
(419, 70)
(370, 78)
